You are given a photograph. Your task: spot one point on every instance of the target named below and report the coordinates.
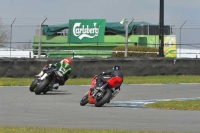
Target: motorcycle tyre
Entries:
(33, 85)
(85, 101)
(40, 88)
(56, 88)
(45, 91)
(105, 99)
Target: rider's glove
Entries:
(50, 65)
(45, 67)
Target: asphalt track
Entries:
(60, 108)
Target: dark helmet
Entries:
(117, 68)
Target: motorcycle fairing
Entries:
(114, 81)
(93, 85)
(91, 99)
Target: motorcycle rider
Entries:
(116, 71)
(63, 67)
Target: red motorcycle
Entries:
(104, 94)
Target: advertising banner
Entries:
(170, 49)
(86, 30)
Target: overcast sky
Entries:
(32, 12)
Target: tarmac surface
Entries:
(61, 108)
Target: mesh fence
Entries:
(18, 41)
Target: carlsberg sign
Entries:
(83, 30)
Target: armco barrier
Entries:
(88, 67)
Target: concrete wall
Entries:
(88, 67)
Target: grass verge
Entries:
(172, 79)
(11, 129)
(176, 105)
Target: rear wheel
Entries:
(56, 88)
(84, 100)
(105, 98)
(33, 85)
(42, 86)
(45, 90)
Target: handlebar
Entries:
(51, 70)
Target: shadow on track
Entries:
(114, 106)
(57, 92)
(52, 93)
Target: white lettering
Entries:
(85, 31)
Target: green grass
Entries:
(176, 105)
(10, 129)
(172, 79)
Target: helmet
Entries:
(117, 68)
(68, 60)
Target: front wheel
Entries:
(42, 86)
(84, 100)
(33, 85)
(105, 99)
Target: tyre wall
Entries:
(88, 67)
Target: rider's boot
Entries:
(43, 77)
(55, 86)
(40, 74)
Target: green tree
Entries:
(4, 34)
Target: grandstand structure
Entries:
(55, 40)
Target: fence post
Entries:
(29, 54)
(39, 38)
(126, 45)
(73, 54)
(180, 39)
(11, 36)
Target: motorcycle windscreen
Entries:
(93, 85)
(114, 81)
